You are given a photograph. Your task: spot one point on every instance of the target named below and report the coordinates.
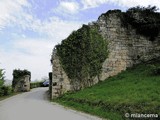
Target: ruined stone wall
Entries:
(23, 84)
(60, 82)
(125, 46)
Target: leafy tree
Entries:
(1, 77)
(1, 82)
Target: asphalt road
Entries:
(34, 105)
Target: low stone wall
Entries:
(126, 48)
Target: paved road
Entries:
(35, 106)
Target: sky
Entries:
(29, 29)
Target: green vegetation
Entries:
(82, 54)
(4, 90)
(145, 20)
(136, 90)
(36, 84)
(1, 77)
(17, 74)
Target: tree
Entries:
(1, 82)
(2, 77)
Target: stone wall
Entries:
(60, 82)
(126, 48)
(23, 84)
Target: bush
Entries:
(1, 91)
(36, 84)
(5, 90)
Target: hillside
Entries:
(136, 90)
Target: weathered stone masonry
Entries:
(126, 48)
(23, 84)
(60, 81)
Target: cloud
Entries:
(67, 7)
(10, 8)
(34, 47)
(93, 3)
(59, 29)
(12, 14)
(123, 3)
(53, 27)
(133, 3)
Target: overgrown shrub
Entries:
(145, 20)
(82, 54)
(5, 90)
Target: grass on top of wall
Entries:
(136, 90)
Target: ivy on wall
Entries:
(82, 54)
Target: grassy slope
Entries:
(132, 91)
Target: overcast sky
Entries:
(29, 29)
